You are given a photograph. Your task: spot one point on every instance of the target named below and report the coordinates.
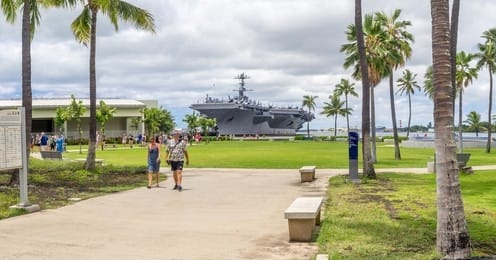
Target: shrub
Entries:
(73, 174)
(400, 138)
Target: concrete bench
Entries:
(97, 161)
(307, 173)
(461, 158)
(322, 257)
(302, 215)
(51, 155)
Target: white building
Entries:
(123, 121)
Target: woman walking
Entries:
(153, 161)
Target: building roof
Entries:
(64, 102)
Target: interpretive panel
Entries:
(10, 139)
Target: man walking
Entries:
(175, 156)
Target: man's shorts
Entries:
(177, 165)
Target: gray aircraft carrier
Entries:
(240, 115)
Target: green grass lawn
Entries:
(278, 155)
(394, 216)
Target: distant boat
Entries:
(380, 129)
(240, 115)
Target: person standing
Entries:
(175, 155)
(43, 142)
(153, 161)
(60, 143)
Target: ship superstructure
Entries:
(240, 115)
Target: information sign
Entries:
(10, 139)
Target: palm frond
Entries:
(10, 8)
(81, 26)
(118, 9)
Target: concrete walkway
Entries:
(221, 214)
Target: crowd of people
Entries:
(44, 142)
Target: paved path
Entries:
(221, 214)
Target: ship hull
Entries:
(239, 120)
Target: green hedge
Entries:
(73, 174)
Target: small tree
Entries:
(61, 115)
(103, 114)
(135, 121)
(192, 121)
(157, 120)
(206, 123)
(75, 111)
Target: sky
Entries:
(289, 48)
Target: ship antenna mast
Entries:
(241, 89)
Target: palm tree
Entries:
(30, 19)
(309, 102)
(474, 123)
(368, 164)
(487, 57)
(453, 239)
(428, 85)
(346, 88)
(465, 73)
(407, 85)
(84, 29)
(335, 108)
(399, 50)
(376, 50)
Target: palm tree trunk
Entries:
(460, 123)
(27, 96)
(347, 116)
(335, 125)
(372, 123)
(455, 11)
(102, 138)
(409, 114)
(308, 130)
(397, 154)
(453, 240)
(489, 127)
(90, 159)
(368, 165)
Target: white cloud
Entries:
(290, 48)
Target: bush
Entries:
(300, 137)
(390, 137)
(73, 174)
(75, 141)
